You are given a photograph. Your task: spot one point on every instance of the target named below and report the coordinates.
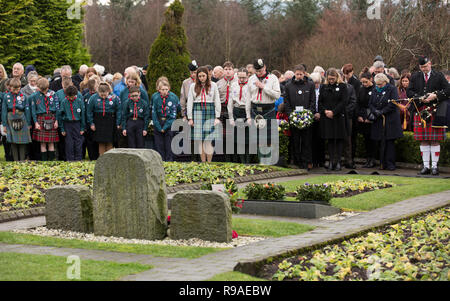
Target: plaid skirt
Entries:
(18, 137)
(427, 133)
(203, 118)
(43, 135)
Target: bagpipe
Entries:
(434, 107)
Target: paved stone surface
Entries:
(173, 269)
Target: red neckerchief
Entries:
(46, 103)
(242, 86)
(261, 79)
(193, 79)
(14, 102)
(135, 110)
(71, 107)
(163, 107)
(203, 97)
(228, 89)
(104, 101)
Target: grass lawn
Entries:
(246, 227)
(27, 267)
(407, 187)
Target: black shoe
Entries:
(338, 167)
(424, 171)
(434, 171)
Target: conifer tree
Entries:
(169, 55)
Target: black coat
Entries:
(379, 103)
(351, 103)
(333, 98)
(300, 94)
(436, 83)
(362, 105)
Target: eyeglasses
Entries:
(134, 96)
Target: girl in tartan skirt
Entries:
(16, 120)
(44, 106)
(203, 112)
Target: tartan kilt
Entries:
(204, 129)
(18, 137)
(42, 135)
(427, 133)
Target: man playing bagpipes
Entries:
(428, 91)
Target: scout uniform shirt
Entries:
(184, 94)
(134, 110)
(111, 104)
(211, 97)
(240, 97)
(11, 103)
(268, 95)
(43, 104)
(164, 111)
(225, 88)
(71, 111)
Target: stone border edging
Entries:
(9, 216)
(253, 267)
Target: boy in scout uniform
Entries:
(71, 118)
(136, 117)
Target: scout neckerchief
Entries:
(228, 80)
(14, 102)
(135, 110)
(261, 79)
(163, 107)
(104, 101)
(242, 86)
(71, 106)
(203, 100)
(46, 103)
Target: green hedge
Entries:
(408, 150)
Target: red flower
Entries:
(235, 235)
(168, 219)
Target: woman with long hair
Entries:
(203, 112)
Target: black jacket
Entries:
(362, 105)
(379, 105)
(436, 83)
(300, 93)
(333, 98)
(351, 102)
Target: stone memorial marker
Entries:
(130, 198)
(69, 208)
(201, 214)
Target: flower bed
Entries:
(23, 185)
(414, 249)
(338, 189)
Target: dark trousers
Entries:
(18, 151)
(90, 145)
(318, 145)
(134, 133)
(73, 141)
(389, 154)
(350, 142)
(369, 144)
(163, 145)
(7, 148)
(302, 147)
(335, 147)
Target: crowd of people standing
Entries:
(70, 114)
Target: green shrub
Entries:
(268, 192)
(314, 192)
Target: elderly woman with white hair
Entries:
(31, 87)
(386, 127)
